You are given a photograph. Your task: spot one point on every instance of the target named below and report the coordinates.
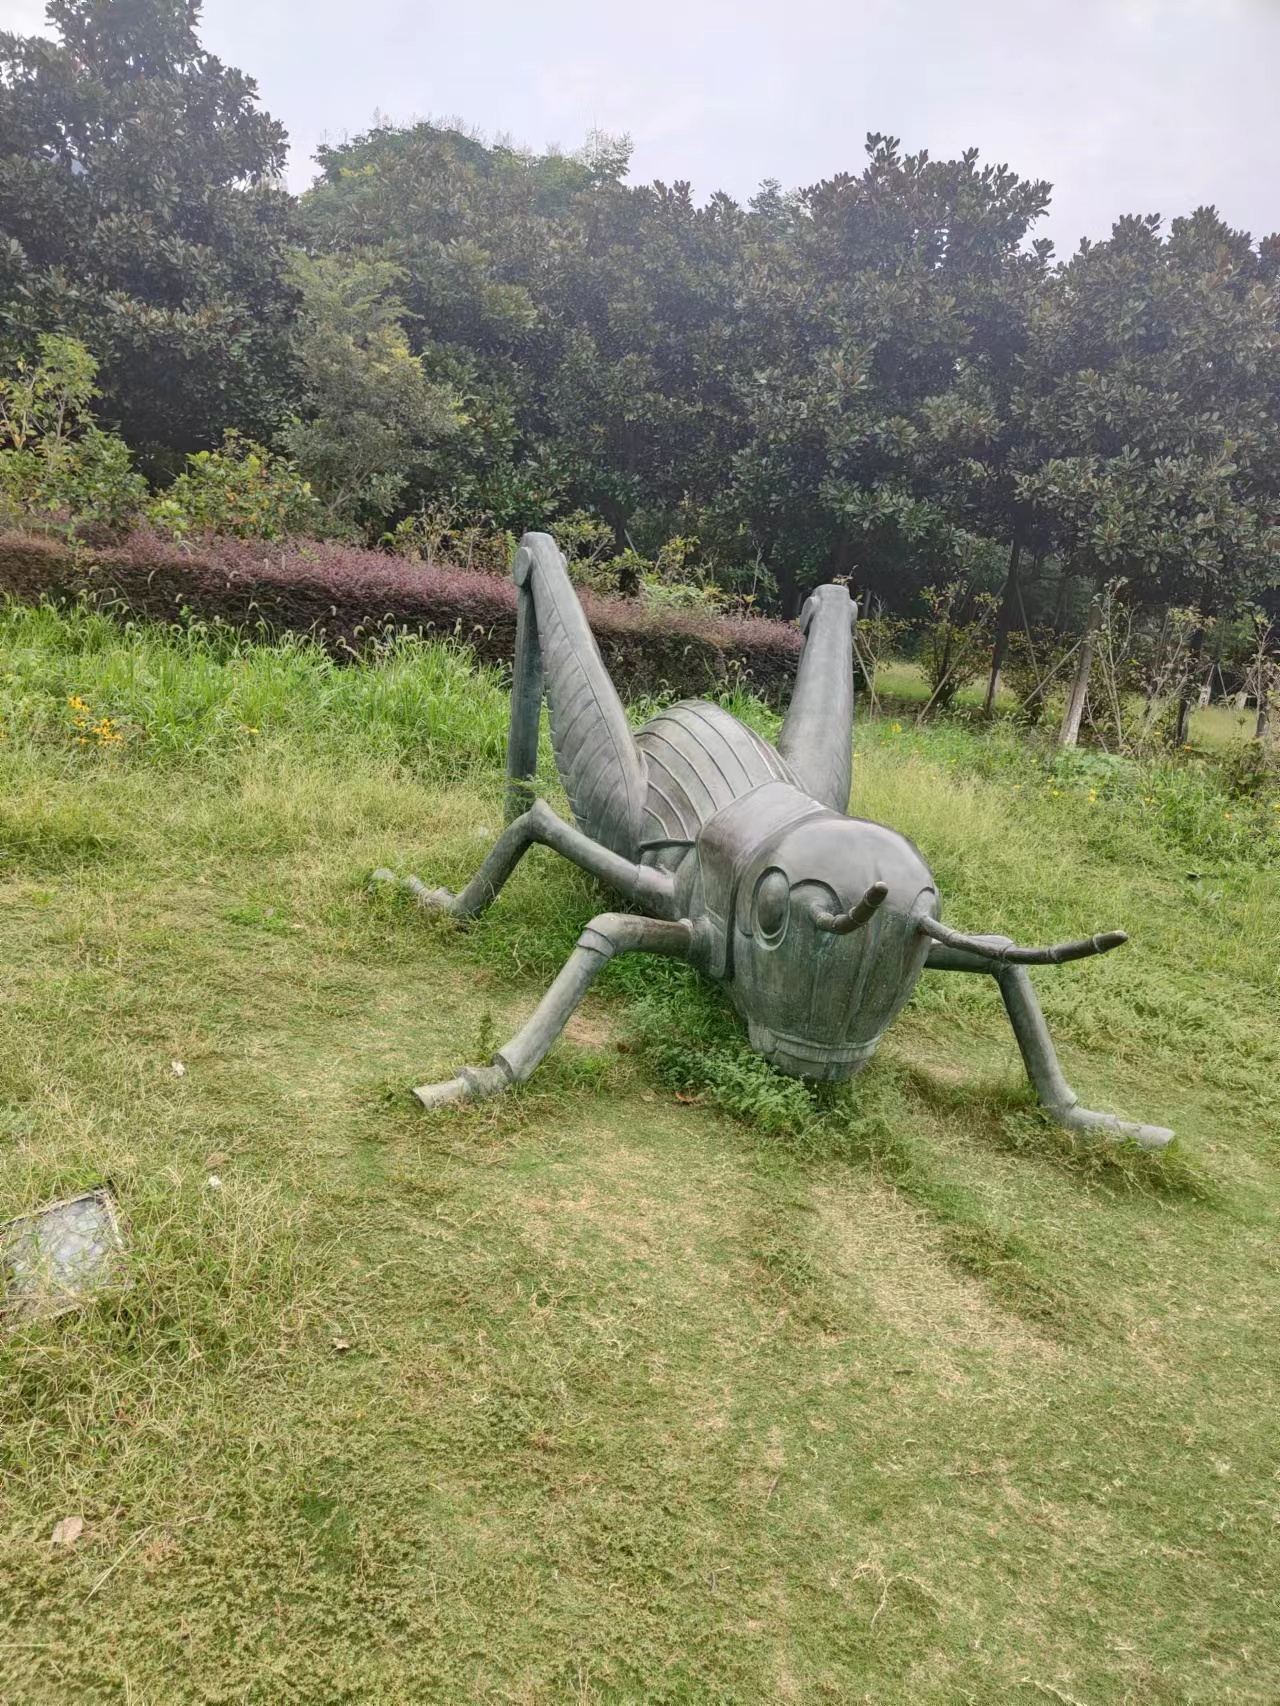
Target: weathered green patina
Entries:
(740, 856)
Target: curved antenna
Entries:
(844, 923)
(1011, 954)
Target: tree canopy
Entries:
(141, 210)
(885, 377)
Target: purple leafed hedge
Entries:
(347, 598)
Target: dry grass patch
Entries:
(890, 1257)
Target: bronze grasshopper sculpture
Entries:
(739, 856)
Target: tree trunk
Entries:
(840, 557)
(1188, 693)
(1004, 622)
(789, 598)
(1069, 734)
(1263, 726)
(1033, 705)
(615, 516)
(1060, 610)
(1151, 686)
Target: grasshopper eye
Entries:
(772, 907)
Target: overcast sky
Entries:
(1126, 106)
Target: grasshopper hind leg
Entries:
(817, 734)
(603, 770)
(600, 765)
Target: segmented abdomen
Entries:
(700, 758)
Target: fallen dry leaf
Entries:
(68, 1531)
(342, 1344)
(177, 1068)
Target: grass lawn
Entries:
(666, 1379)
(902, 684)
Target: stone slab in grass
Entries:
(56, 1258)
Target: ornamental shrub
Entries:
(347, 597)
(57, 466)
(241, 490)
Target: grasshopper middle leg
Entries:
(645, 886)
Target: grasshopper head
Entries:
(826, 944)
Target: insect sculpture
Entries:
(740, 858)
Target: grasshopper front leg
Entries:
(609, 934)
(1035, 1044)
(1041, 1061)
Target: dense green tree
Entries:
(140, 210)
(1150, 393)
(883, 377)
(56, 464)
(870, 292)
(580, 319)
(368, 416)
(473, 232)
(748, 375)
(1131, 433)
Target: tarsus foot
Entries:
(435, 900)
(472, 1084)
(1084, 1119)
